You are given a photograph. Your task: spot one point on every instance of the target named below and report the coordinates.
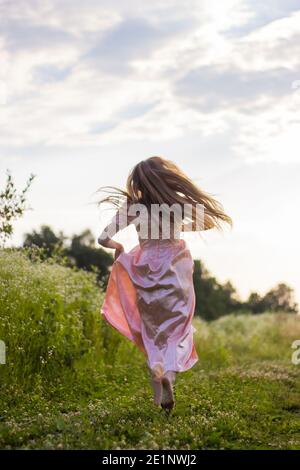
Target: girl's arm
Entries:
(105, 239)
(110, 243)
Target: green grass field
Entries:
(71, 382)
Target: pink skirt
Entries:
(150, 299)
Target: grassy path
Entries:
(256, 407)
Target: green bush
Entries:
(49, 315)
(237, 339)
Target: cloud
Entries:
(214, 87)
(48, 73)
(19, 34)
(136, 110)
(127, 113)
(262, 13)
(131, 39)
(103, 127)
(94, 73)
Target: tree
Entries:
(46, 239)
(281, 299)
(255, 303)
(80, 252)
(86, 256)
(212, 298)
(12, 206)
(278, 299)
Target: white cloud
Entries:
(95, 73)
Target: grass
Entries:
(94, 393)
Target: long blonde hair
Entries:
(159, 181)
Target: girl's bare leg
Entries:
(168, 381)
(156, 378)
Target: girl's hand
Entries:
(118, 251)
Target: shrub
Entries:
(49, 315)
(237, 339)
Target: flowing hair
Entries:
(159, 181)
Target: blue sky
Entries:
(87, 89)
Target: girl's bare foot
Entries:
(167, 401)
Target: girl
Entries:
(150, 295)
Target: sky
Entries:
(88, 89)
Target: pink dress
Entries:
(150, 299)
